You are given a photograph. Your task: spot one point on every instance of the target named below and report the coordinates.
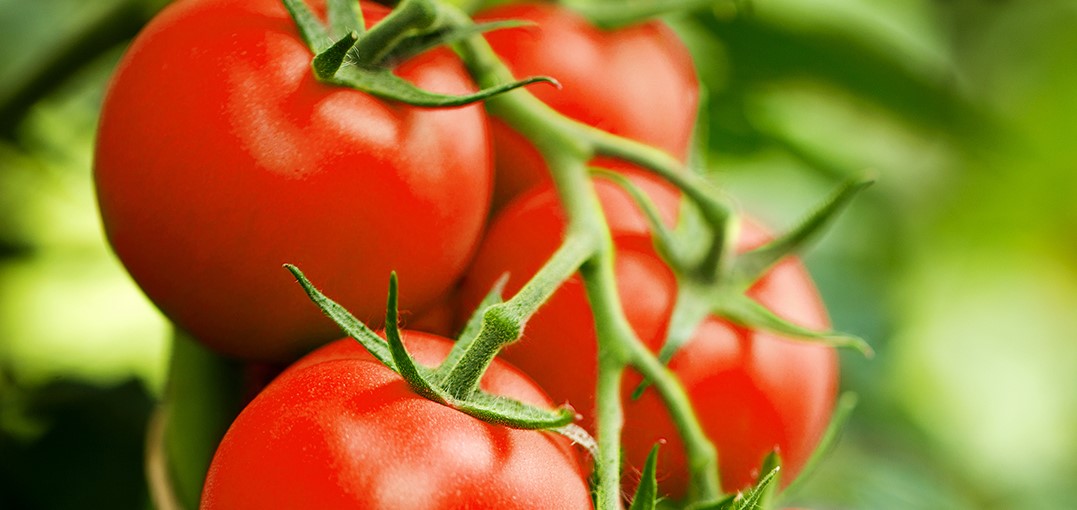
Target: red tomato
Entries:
(339, 430)
(753, 391)
(438, 319)
(638, 82)
(220, 157)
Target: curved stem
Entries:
(699, 451)
(718, 214)
(567, 146)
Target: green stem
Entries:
(202, 398)
(719, 215)
(567, 146)
(699, 451)
(503, 323)
(611, 328)
(404, 20)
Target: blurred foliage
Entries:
(960, 265)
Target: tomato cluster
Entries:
(220, 157)
(753, 392)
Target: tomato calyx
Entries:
(726, 296)
(754, 497)
(348, 55)
(428, 382)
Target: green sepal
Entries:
(512, 413)
(751, 499)
(419, 44)
(345, 17)
(646, 497)
(351, 326)
(746, 312)
(767, 492)
(386, 85)
(474, 325)
(327, 63)
(392, 353)
(750, 266)
(843, 410)
(312, 30)
(405, 365)
(374, 79)
(707, 230)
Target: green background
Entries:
(959, 265)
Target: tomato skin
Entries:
(220, 158)
(638, 82)
(338, 430)
(752, 391)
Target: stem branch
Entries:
(502, 323)
(567, 146)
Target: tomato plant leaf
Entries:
(348, 323)
(750, 266)
(744, 311)
(345, 17)
(647, 492)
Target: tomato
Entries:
(438, 319)
(752, 391)
(340, 430)
(220, 157)
(638, 82)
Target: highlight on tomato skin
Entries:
(220, 157)
(339, 430)
(638, 82)
(753, 392)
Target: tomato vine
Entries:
(711, 277)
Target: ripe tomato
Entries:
(220, 157)
(339, 430)
(752, 391)
(638, 82)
